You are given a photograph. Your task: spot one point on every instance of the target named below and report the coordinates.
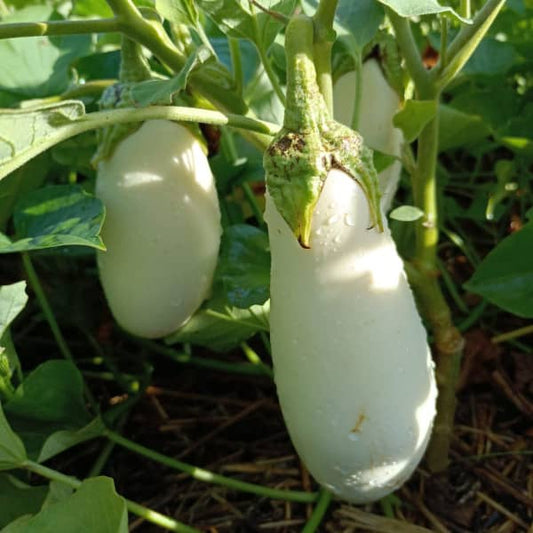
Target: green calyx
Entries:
(311, 143)
(134, 68)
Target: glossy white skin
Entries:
(162, 228)
(379, 104)
(352, 365)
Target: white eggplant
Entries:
(162, 228)
(352, 365)
(379, 104)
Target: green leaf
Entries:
(492, 57)
(179, 11)
(406, 213)
(414, 116)
(18, 499)
(458, 129)
(63, 440)
(25, 133)
(36, 67)
(359, 19)
(58, 215)
(162, 91)
(94, 507)
(13, 299)
(25, 179)
(220, 327)
(505, 276)
(236, 18)
(417, 8)
(12, 452)
(244, 265)
(49, 400)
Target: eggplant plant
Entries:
(213, 97)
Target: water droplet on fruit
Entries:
(348, 220)
(332, 219)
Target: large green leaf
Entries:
(34, 67)
(505, 276)
(25, 179)
(417, 8)
(12, 452)
(18, 499)
(244, 265)
(58, 215)
(458, 129)
(49, 400)
(360, 19)
(25, 133)
(94, 507)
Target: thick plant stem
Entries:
(448, 344)
(447, 353)
(425, 196)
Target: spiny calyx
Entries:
(311, 143)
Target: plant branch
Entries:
(447, 353)
(411, 54)
(144, 512)
(465, 43)
(324, 499)
(324, 37)
(265, 61)
(210, 477)
(262, 130)
(58, 27)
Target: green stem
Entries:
(425, 196)
(322, 504)
(269, 71)
(35, 284)
(447, 353)
(101, 119)
(466, 42)
(151, 34)
(510, 335)
(255, 360)
(144, 512)
(210, 477)
(203, 362)
(254, 206)
(236, 62)
(324, 37)
(58, 27)
(260, 47)
(465, 9)
(7, 391)
(411, 54)
(358, 63)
